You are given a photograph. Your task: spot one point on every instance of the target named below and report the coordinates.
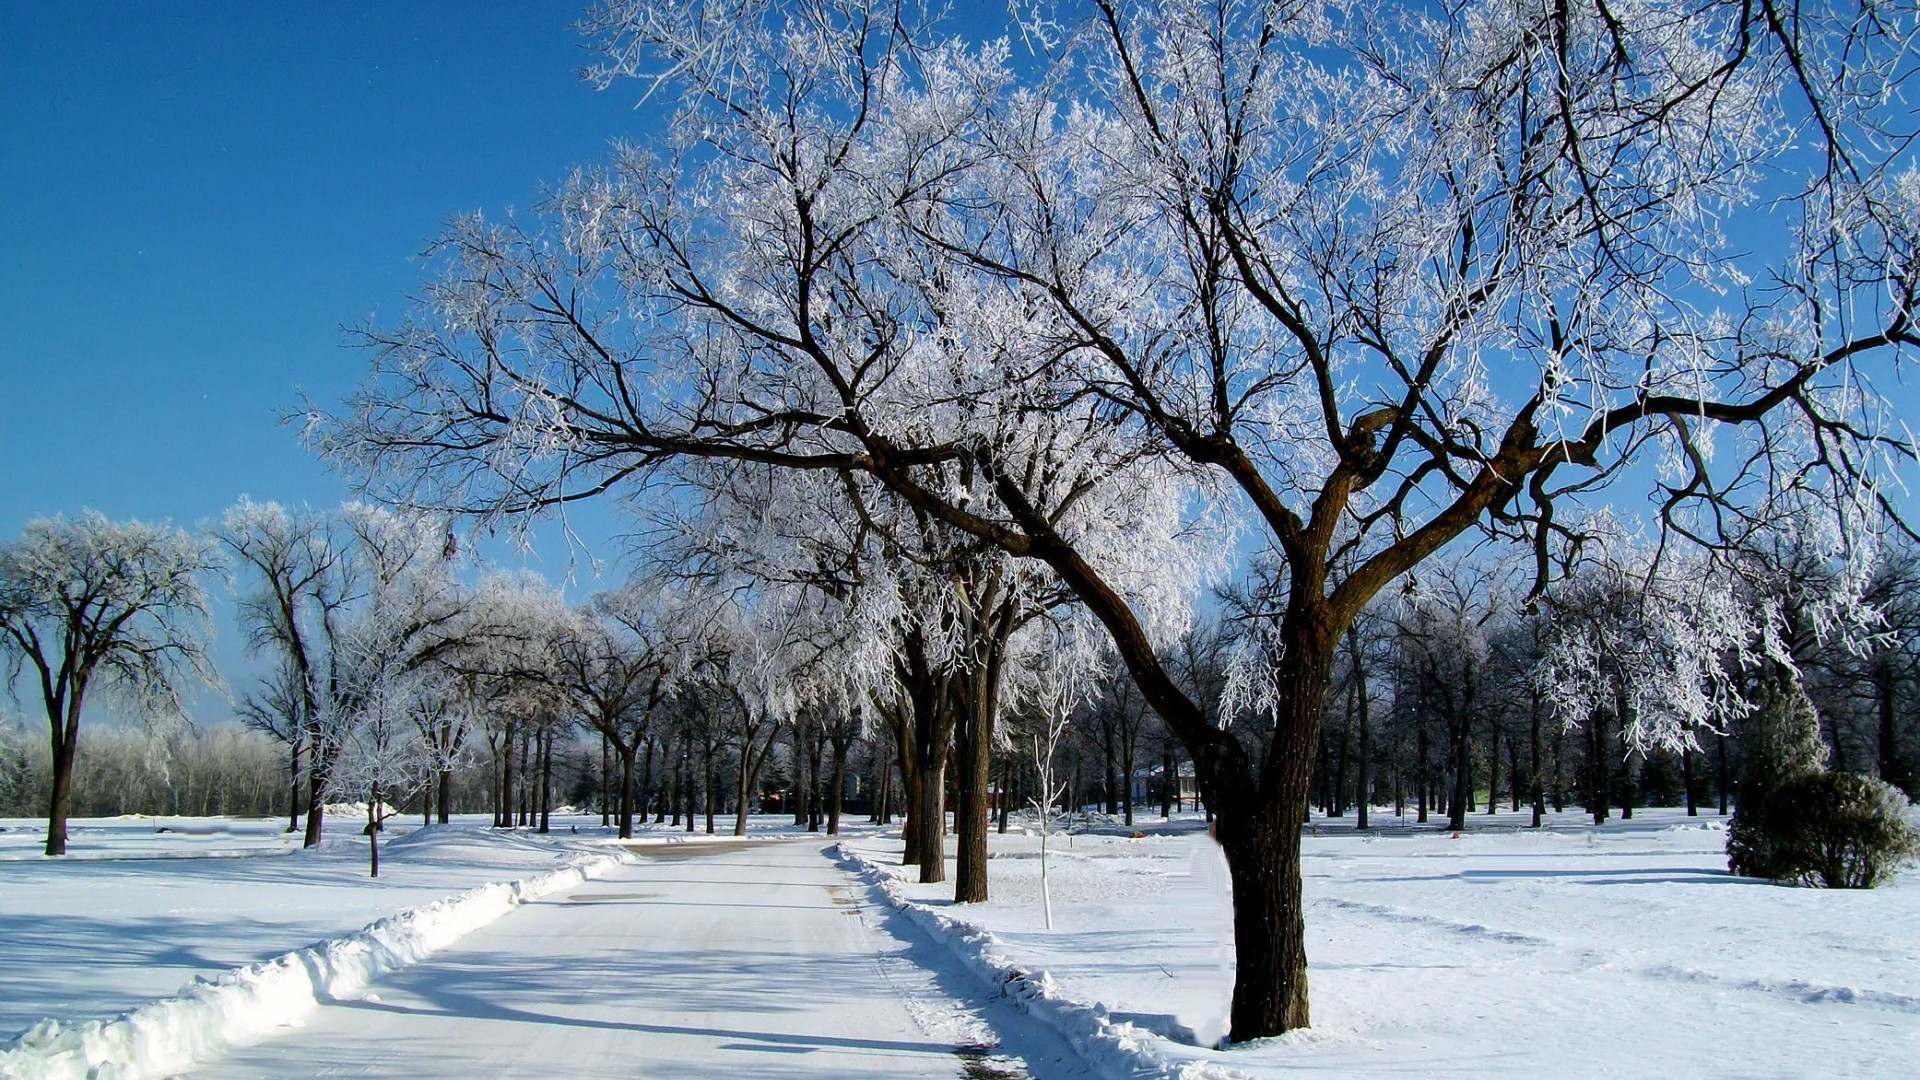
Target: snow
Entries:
(208, 901)
(1624, 949)
(708, 960)
(1619, 950)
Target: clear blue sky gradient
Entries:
(196, 199)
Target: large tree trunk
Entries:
(65, 746)
(973, 754)
(1258, 821)
(1259, 831)
(910, 784)
(928, 818)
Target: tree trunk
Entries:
(65, 745)
(373, 831)
(797, 787)
(1598, 796)
(1462, 801)
(606, 781)
(319, 766)
(546, 781)
(836, 792)
(708, 794)
(293, 784)
(1493, 766)
(1108, 759)
(973, 753)
(503, 815)
(1363, 783)
(1339, 776)
(928, 819)
(816, 795)
(1720, 781)
(746, 783)
(911, 783)
(687, 785)
(1538, 789)
(627, 754)
(1420, 776)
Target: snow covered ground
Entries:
(135, 913)
(1622, 950)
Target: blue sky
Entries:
(196, 198)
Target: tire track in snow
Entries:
(1478, 931)
(936, 1013)
(1796, 989)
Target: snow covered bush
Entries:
(1838, 830)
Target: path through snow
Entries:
(709, 960)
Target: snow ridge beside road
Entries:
(1115, 1049)
(165, 1037)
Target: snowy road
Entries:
(717, 960)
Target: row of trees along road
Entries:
(389, 659)
(1361, 277)
(1462, 647)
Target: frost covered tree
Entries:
(1647, 650)
(92, 605)
(1370, 275)
(353, 605)
(619, 661)
(297, 582)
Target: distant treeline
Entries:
(214, 769)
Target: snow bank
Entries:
(165, 1037)
(1115, 1049)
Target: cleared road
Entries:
(726, 960)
